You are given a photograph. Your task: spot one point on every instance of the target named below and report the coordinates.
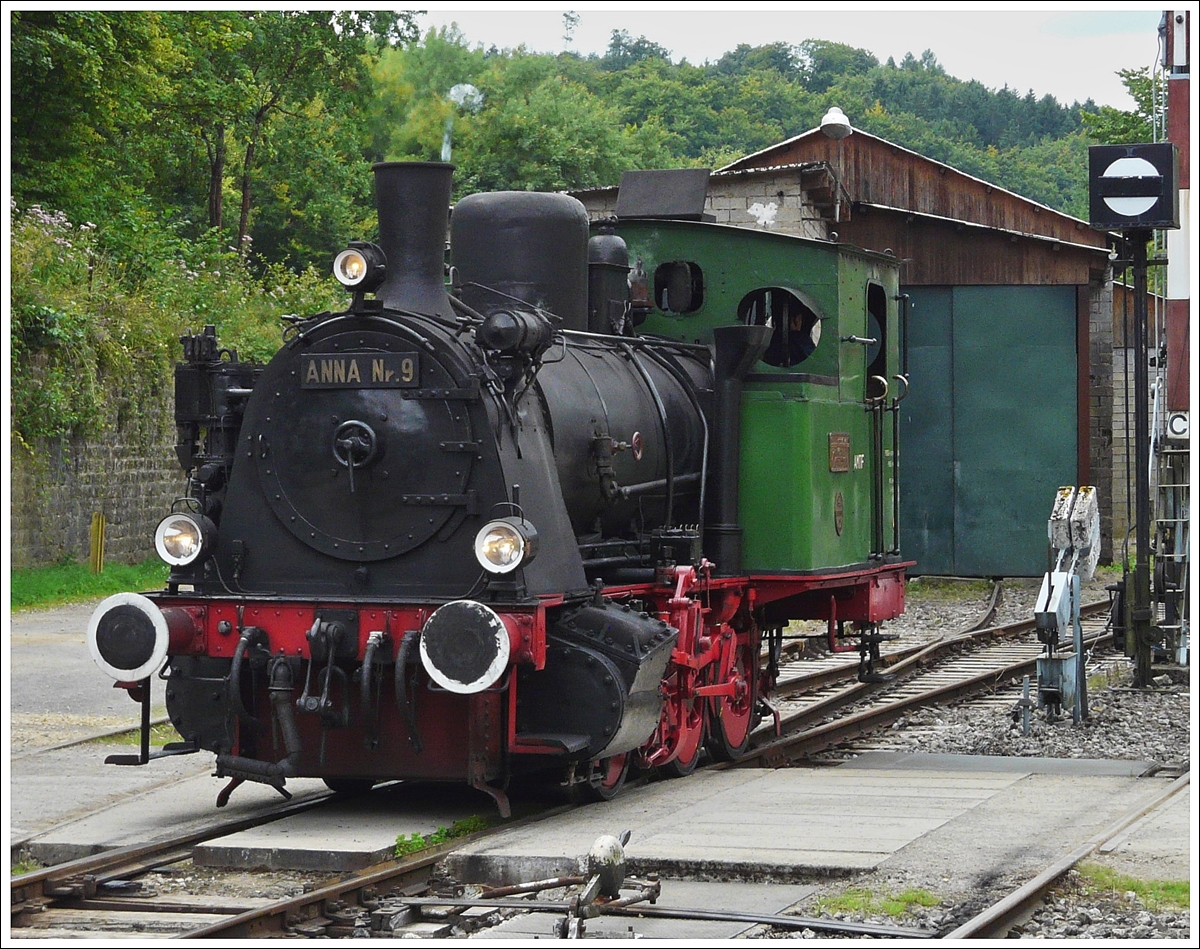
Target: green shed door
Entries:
(989, 427)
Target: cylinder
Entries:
(413, 198)
(519, 246)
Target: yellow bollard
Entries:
(96, 554)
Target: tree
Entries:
(408, 109)
(539, 131)
(624, 51)
(245, 69)
(822, 63)
(86, 85)
(1111, 126)
(783, 58)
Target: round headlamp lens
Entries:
(350, 267)
(179, 539)
(499, 547)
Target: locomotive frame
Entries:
(535, 495)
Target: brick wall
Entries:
(730, 200)
(130, 474)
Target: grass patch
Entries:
(160, 735)
(1107, 678)
(860, 902)
(1153, 894)
(414, 843)
(75, 582)
(947, 588)
(24, 864)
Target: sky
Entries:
(1069, 50)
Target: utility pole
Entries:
(1134, 189)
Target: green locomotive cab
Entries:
(818, 481)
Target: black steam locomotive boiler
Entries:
(472, 526)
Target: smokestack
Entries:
(413, 198)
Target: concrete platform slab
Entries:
(677, 894)
(786, 823)
(141, 804)
(347, 833)
(992, 764)
(1158, 847)
(1018, 833)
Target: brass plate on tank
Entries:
(360, 371)
(839, 513)
(839, 451)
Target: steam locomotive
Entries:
(547, 506)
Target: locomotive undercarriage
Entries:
(646, 676)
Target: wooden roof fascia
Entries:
(958, 222)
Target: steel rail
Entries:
(897, 661)
(35, 891)
(656, 911)
(778, 920)
(113, 732)
(812, 681)
(996, 920)
(822, 737)
(308, 910)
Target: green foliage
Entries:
(221, 125)
(94, 335)
(822, 63)
(1110, 126)
(863, 902)
(947, 588)
(160, 734)
(24, 863)
(415, 843)
(625, 51)
(129, 117)
(39, 587)
(1153, 894)
(84, 347)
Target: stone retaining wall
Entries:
(129, 475)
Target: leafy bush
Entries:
(95, 330)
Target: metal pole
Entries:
(1079, 712)
(1141, 384)
(145, 748)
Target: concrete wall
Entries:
(130, 474)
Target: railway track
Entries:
(829, 706)
(946, 669)
(997, 920)
(102, 883)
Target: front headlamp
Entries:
(180, 539)
(505, 544)
(361, 266)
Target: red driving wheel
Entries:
(732, 717)
(686, 724)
